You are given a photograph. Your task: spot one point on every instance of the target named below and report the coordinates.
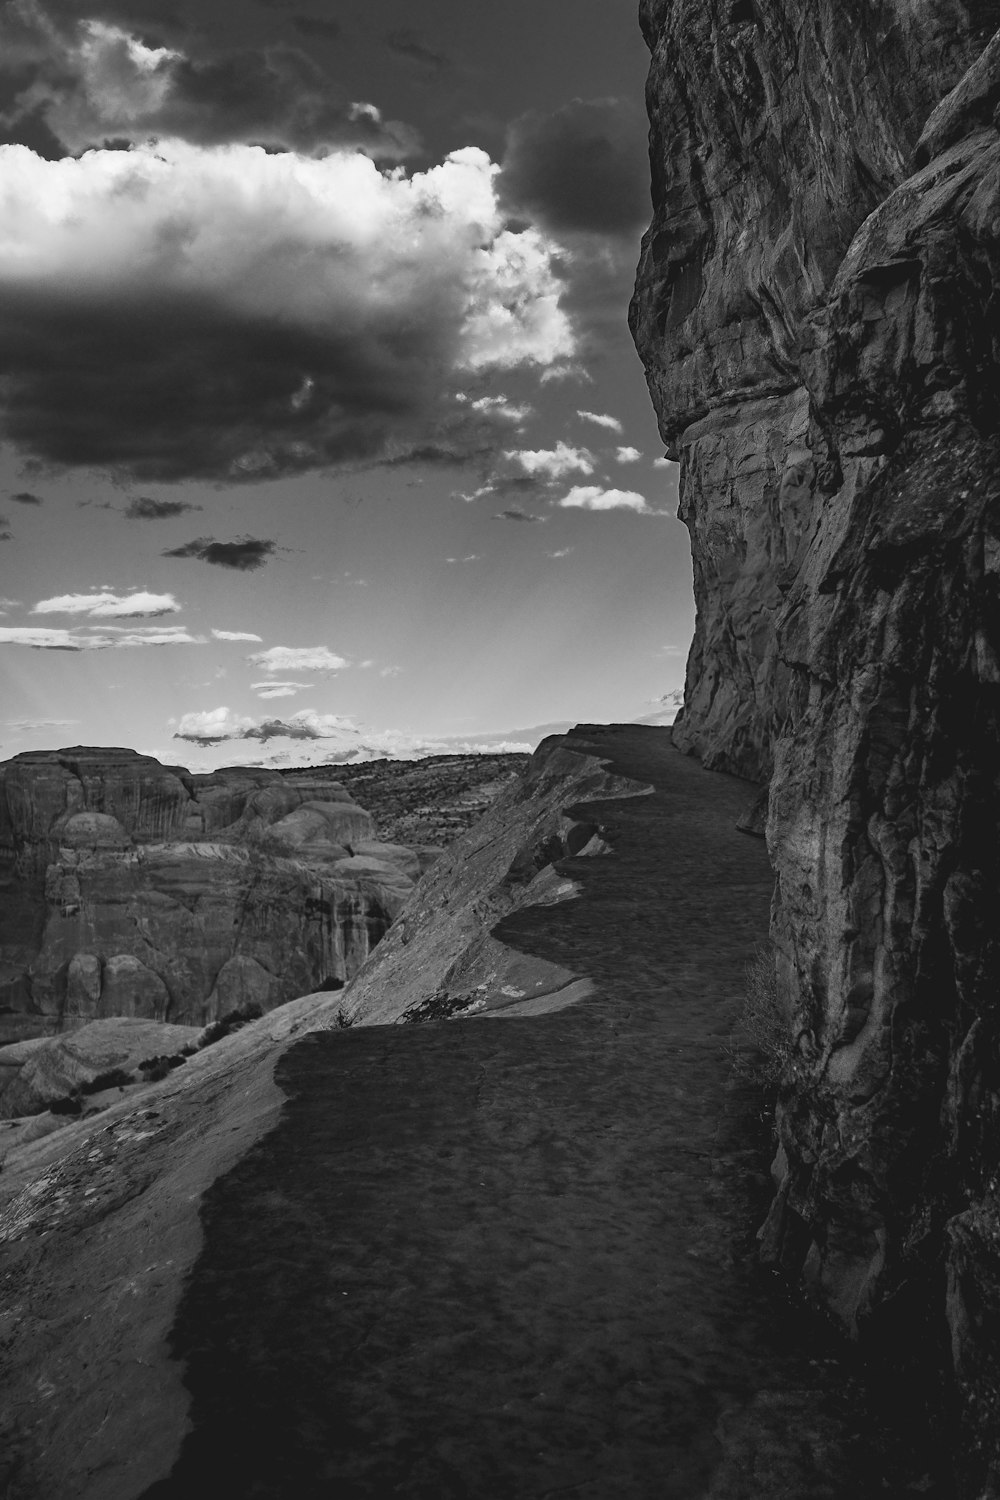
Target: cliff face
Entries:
(817, 311)
(128, 888)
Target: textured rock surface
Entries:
(128, 888)
(36, 1073)
(817, 310)
(441, 959)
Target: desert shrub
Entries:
(155, 1068)
(68, 1105)
(232, 1021)
(343, 1020)
(761, 1045)
(116, 1078)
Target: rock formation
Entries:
(817, 310)
(135, 889)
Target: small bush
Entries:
(761, 1044)
(68, 1105)
(216, 1030)
(343, 1020)
(117, 1078)
(155, 1068)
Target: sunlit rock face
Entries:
(816, 308)
(128, 888)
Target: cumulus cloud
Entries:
(110, 638)
(25, 497)
(297, 659)
(106, 606)
(553, 463)
(602, 419)
(237, 314)
(217, 724)
(583, 167)
(145, 508)
(235, 635)
(664, 463)
(627, 455)
(88, 81)
(593, 497)
(244, 555)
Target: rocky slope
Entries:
(816, 308)
(130, 888)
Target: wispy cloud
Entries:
(297, 659)
(244, 555)
(593, 497)
(469, 557)
(602, 419)
(145, 508)
(280, 689)
(108, 606)
(235, 635)
(516, 515)
(94, 639)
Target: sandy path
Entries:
(478, 1260)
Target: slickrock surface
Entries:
(817, 311)
(135, 889)
(467, 1259)
(429, 801)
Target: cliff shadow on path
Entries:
(509, 1260)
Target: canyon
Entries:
(816, 307)
(136, 889)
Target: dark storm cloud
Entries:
(144, 508)
(407, 44)
(581, 168)
(87, 82)
(515, 515)
(25, 497)
(244, 555)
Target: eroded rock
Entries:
(816, 309)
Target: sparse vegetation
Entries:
(344, 1021)
(232, 1021)
(115, 1078)
(761, 1044)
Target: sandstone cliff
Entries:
(816, 307)
(135, 889)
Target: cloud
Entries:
(6, 604)
(407, 44)
(297, 659)
(469, 557)
(627, 455)
(106, 606)
(498, 406)
(35, 726)
(25, 497)
(144, 508)
(592, 497)
(280, 689)
(560, 552)
(111, 638)
(602, 419)
(90, 81)
(664, 463)
(583, 167)
(245, 555)
(516, 515)
(235, 635)
(238, 314)
(552, 463)
(217, 724)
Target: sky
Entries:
(321, 431)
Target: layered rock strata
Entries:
(817, 311)
(136, 889)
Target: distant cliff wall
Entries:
(129, 888)
(817, 309)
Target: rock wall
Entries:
(128, 888)
(817, 310)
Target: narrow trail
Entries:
(492, 1260)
